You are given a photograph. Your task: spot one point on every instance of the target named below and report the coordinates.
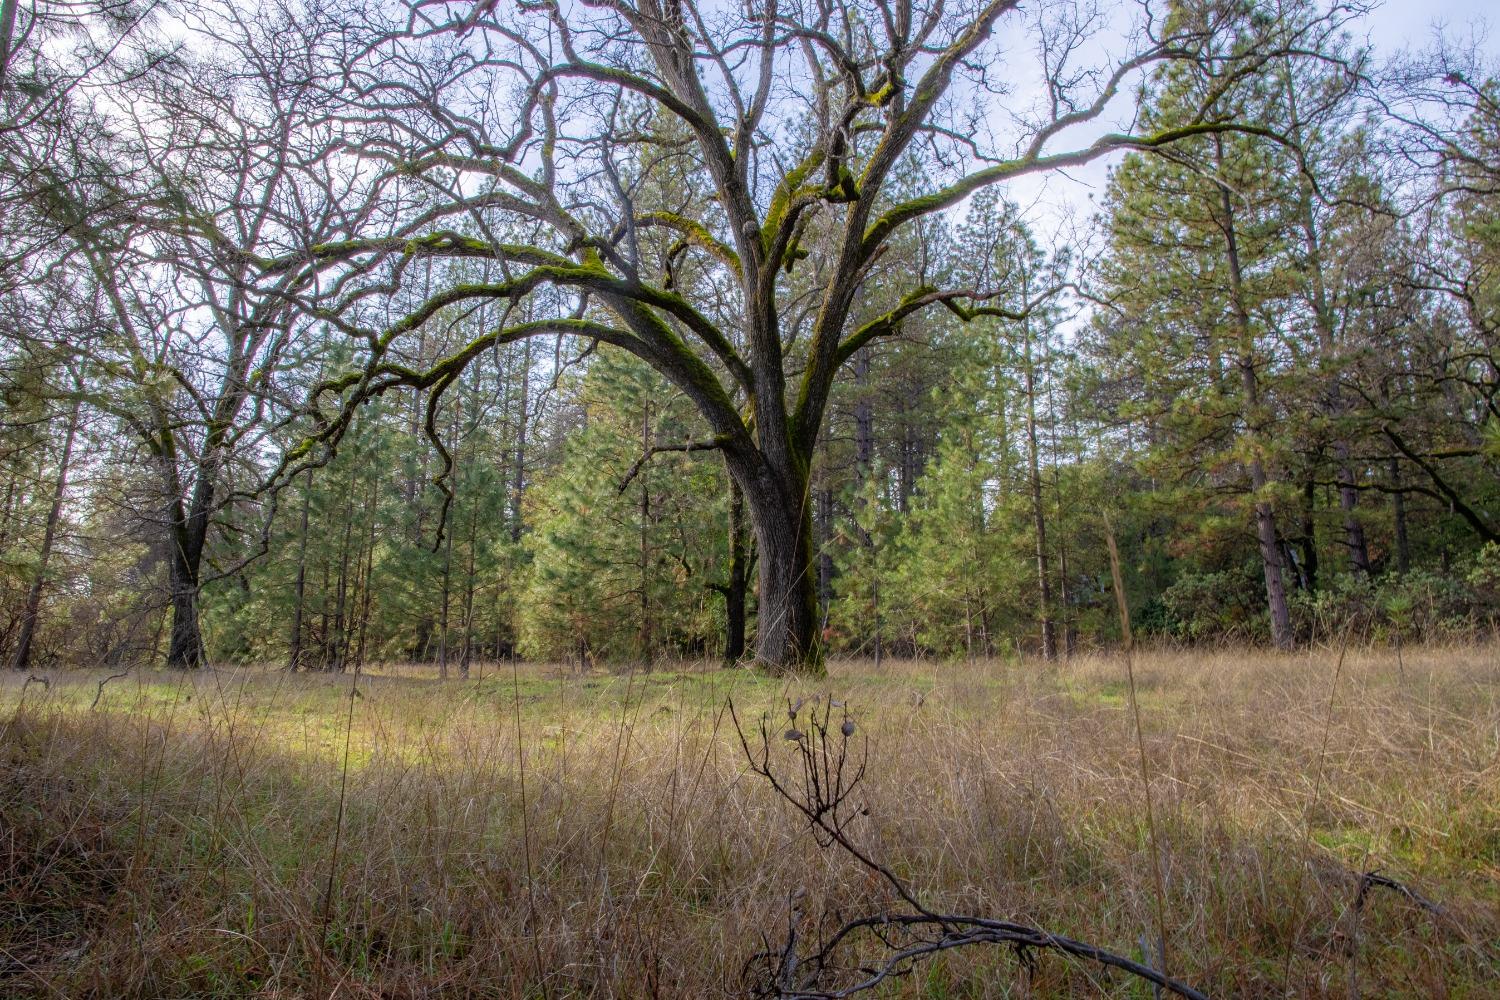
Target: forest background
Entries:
(1266, 363)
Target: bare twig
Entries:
(824, 793)
(99, 692)
(1373, 879)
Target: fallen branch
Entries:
(824, 795)
(99, 693)
(1373, 879)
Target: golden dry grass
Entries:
(560, 836)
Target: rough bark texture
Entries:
(786, 633)
(188, 530)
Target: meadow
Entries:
(534, 832)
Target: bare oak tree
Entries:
(519, 139)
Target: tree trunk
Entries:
(1038, 517)
(1265, 517)
(1354, 529)
(7, 511)
(185, 651)
(1270, 557)
(299, 588)
(1398, 512)
(1322, 315)
(786, 635)
(22, 654)
(187, 533)
(366, 576)
(342, 612)
(1309, 568)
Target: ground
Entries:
(530, 832)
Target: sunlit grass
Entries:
(533, 832)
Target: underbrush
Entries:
(550, 835)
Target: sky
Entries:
(1059, 202)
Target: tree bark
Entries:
(1398, 513)
(1309, 569)
(188, 532)
(786, 634)
(1265, 517)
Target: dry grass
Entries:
(567, 837)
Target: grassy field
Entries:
(542, 834)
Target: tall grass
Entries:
(548, 835)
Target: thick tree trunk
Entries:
(185, 651)
(786, 635)
(188, 534)
(187, 527)
(33, 607)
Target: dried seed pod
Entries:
(847, 728)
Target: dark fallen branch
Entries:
(1373, 879)
(99, 693)
(823, 793)
(1483, 949)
